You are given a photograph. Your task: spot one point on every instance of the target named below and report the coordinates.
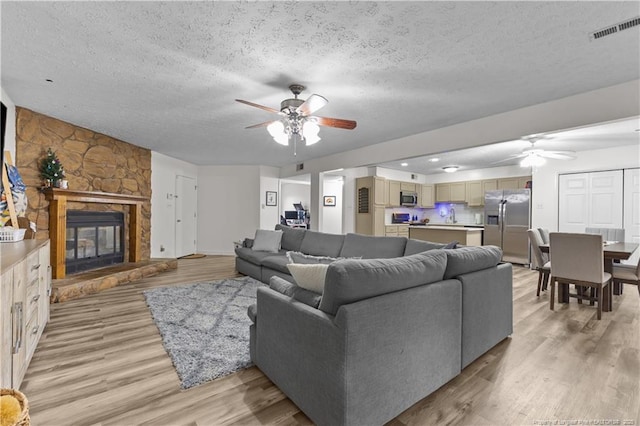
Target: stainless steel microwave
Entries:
(408, 198)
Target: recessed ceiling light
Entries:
(434, 159)
(404, 164)
(49, 80)
(450, 169)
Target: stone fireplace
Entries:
(94, 239)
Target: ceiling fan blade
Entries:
(510, 158)
(312, 104)
(558, 155)
(336, 122)
(265, 124)
(266, 108)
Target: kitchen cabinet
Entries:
(489, 185)
(24, 306)
(451, 192)
(513, 183)
(475, 193)
(370, 205)
(400, 230)
(447, 234)
(394, 193)
(408, 186)
(426, 196)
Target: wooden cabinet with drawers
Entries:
(24, 306)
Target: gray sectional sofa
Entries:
(392, 326)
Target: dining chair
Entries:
(544, 234)
(629, 274)
(540, 260)
(608, 234)
(578, 259)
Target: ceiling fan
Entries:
(296, 120)
(534, 157)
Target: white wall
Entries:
(294, 193)
(269, 181)
(10, 131)
(479, 174)
(164, 170)
(545, 178)
(332, 216)
(228, 206)
(392, 174)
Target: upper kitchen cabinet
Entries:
(394, 193)
(475, 193)
(451, 192)
(408, 186)
(513, 183)
(425, 195)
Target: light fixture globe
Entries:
(450, 169)
(533, 159)
(278, 133)
(310, 132)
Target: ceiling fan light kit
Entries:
(296, 122)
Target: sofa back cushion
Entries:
(350, 280)
(369, 247)
(291, 237)
(321, 244)
(468, 259)
(418, 246)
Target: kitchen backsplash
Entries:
(441, 213)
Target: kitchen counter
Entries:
(445, 234)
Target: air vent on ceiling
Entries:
(630, 23)
(299, 166)
(414, 176)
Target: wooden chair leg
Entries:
(539, 283)
(600, 301)
(545, 281)
(553, 292)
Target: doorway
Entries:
(186, 205)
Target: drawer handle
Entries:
(35, 298)
(35, 329)
(19, 318)
(35, 267)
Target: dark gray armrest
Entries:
(248, 242)
(252, 312)
(294, 291)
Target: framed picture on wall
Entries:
(272, 198)
(329, 200)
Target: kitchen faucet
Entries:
(452, 215)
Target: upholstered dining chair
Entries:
(608, 234)
(540, 260)
(544, 234)
(578, 259)
(629, 274)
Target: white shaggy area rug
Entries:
(204, 326)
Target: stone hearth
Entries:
(96, 280)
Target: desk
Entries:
(622, 251)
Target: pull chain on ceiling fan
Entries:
(296, 121)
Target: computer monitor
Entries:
(291, 214)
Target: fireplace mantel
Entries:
(58, 199)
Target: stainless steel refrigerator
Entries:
(507, 217)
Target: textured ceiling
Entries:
(164, 75)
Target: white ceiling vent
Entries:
(630, 23)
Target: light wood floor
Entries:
(101, 361)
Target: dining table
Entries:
(612, 251)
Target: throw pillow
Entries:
(267, 240)
(309, 276)
(301, 258)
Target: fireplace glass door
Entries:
(94, 239)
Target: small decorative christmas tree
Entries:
(51, 169)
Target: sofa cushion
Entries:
(291, 237)
(252, 312)
(253, 256)
(277, 262)
(267, 240)
(297, 257)
(298, 293)
(469, 259)
(418, 246)
(321, 244)
(370, 247)
(309, 276)
(351, 280)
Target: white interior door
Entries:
(605, 199)
(632, 205)
(186, 204)
(572, 203)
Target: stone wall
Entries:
(92, 162)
